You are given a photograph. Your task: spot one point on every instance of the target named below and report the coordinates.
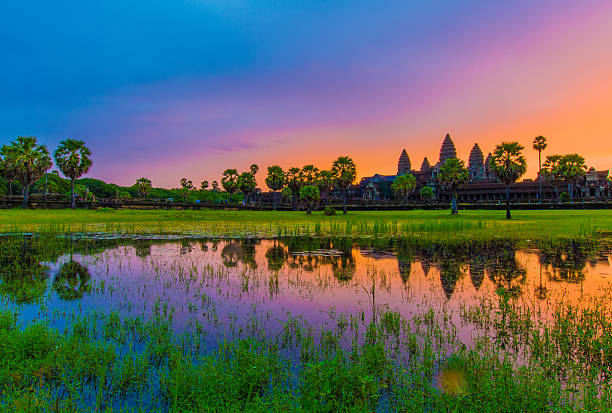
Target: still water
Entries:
(232, 288)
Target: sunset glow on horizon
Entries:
(172, 89)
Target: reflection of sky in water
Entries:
(232, 285)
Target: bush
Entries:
(564, 197)
(329, 211)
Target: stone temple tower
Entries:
(425, 166)
(487, 167)
(403, 166)
(447, 150)
(476, 163)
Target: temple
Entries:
(483, 186)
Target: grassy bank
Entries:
(428, 224)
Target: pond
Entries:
(258, 283)
(301, 292)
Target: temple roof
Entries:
(447, 150)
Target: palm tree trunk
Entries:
(10, 188)
(508, 216)
(72, 201)
(540, 174)
(274, 200)
(26, 192)
(309, 210)
(454, 209)
(344, 201)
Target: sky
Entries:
(187, 88)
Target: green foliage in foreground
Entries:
(105, 363)
(433, 225)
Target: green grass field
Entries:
(428, 224)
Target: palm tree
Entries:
(229, 181)
(254, 169)
(508, 164)
(31, 162)
(275, 180)
(552, 172)
(187, 185)
(309, 175)
(143, 186)
(345, 172)
(8, 167)
(309, 194)
(325, 182)
(246, 184)
(203, 185)
(572, 168)
(293, 179)
(539, 144)
(453, 175)
(73, 160)
(403, 185)
(215, 186)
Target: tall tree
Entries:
(73, 159)
(309, 194)
(325, 182)
(229, 181)
(8, 166)
(539, 144)
(309, 175)
(186, 186)
(453, 175)
(254, 169)
(275, 180)
(403, 185)
(246, 184)
(572, 169)
(31, 162)
(508, 165)
(345, 173)
(551, 172)
(143, 186)
(293, 179)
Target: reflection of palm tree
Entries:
(276, 257)
(504, 269)
(568, 259)
(231, 254)
(239, 251)
(344, 267)
(72, 281)
(541, 291)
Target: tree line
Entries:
(308, 184)
(25, 161)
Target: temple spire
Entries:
(425, 166)
(447, 150)
(476, 162)
(403, 166)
